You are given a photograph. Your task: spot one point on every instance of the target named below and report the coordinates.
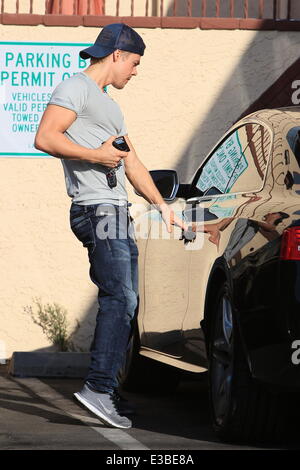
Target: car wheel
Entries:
(142, 374)
(242, 409)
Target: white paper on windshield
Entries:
(224, 167)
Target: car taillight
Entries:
(290, 244)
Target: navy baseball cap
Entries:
(115, 36)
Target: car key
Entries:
(111, 178)
(120, 144)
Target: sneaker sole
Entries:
(98, 413)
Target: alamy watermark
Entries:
(296, 94)
(148, 223)
(296, 354)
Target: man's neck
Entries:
(100, 74)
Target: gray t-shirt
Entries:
(98, 118)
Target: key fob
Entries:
(121, 144)
(111, 179)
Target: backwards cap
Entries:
(115, 36)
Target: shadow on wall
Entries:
(239, 91)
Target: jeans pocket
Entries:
(82, 228)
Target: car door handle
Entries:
(193, 200)
(197, 200)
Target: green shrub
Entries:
(52, 318)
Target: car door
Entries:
(229, 181)
(166, 285)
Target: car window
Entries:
(293, 138)
(238, 164)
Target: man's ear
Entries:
(116, 55)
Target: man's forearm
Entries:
(58, 145)
(141, 180)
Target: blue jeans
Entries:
(107, 232)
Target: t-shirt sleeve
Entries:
(71, 95)
(123, 129)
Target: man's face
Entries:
(125, 67)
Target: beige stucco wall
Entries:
(191, 86)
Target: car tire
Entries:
(242, 409)
(142, 374)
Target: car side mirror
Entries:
(166, 182)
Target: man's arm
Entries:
(141, 180)
(50, 138)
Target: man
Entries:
(79, 126)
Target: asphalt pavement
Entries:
(40, 414)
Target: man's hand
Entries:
(51, 139)
(108, 155)
(171, 219)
